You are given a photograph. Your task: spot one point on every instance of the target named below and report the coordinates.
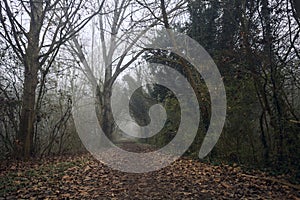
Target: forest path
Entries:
(83, 177)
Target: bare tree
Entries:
(124, 22)
(36, 30)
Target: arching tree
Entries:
(125, 23)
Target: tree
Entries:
(254, 44)
(36, 45)
(125, 22)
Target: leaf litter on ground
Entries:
(84, 177)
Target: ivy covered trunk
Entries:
(106, 119)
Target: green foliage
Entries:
(262, 127)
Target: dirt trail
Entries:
(83, 177)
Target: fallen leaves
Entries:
(83, 177)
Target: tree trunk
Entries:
(31, 64)
(107, 120)
(28, 113)
(277, 118)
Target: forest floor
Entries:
(83, 177)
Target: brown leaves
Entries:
(82, 177)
